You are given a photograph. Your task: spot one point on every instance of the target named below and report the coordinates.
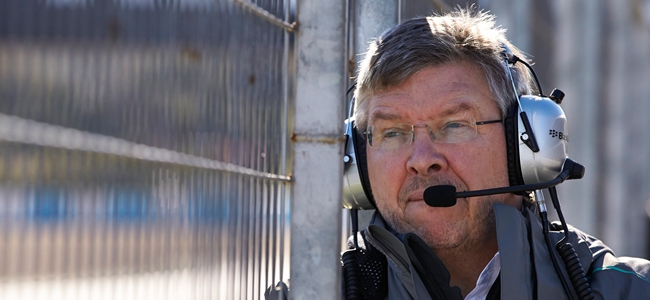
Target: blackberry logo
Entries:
(559, 135)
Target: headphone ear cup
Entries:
(512, 145)
(359, 143)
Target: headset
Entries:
(537, 155)
(535, 133)
(356, 185)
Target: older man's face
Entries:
(438, 97)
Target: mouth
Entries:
(441, 199)
(416, 196)
(413, 190)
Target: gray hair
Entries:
(461, 35)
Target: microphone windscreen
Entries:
(440, 196)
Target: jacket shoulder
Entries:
(620, 277)
(614, 277)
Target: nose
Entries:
(426, 158)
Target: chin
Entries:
(441, 236)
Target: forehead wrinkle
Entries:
(456, 109)
(456, 105)
(462, 107)
(382, 115)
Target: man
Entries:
(432, 95)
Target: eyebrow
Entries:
(460, 108)
(456, 109)
(386, 116)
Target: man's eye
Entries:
(394, 133)
(456, 125)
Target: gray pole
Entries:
(578, 71)
(318, 150)
(514, 15)
(371, 18)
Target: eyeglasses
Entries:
(395, 136)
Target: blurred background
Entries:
(142, 150)
(153, 149)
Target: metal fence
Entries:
(143, 149)
(167, 149)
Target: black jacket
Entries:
(404, 268)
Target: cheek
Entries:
(489, 167)
(385, 174)
(499, 162)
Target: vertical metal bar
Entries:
(282, 200)
(579, 71)
(317, 189)
(515, 16)
(399, 11)
(371, 18)
(285, 96)
(613, 113)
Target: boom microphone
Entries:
(440, 196)
(445, 195)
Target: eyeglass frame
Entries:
(368, 133)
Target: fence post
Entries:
(318, 150)
(371, 19)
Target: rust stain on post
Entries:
(317, 139)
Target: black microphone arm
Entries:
(517, 188)
(445, 195)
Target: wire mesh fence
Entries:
(143, 149)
